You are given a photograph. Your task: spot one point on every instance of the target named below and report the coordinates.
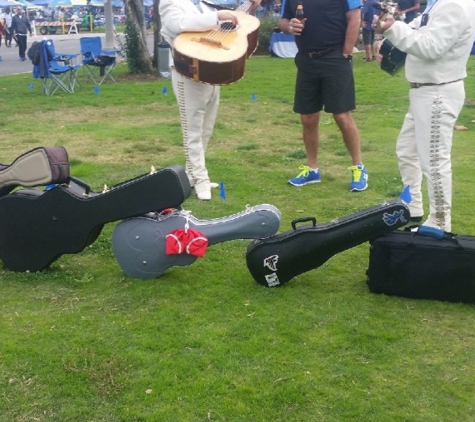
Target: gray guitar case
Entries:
(276, 260)
(139, 243)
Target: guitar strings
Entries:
(218, 35)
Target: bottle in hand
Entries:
(299, 14)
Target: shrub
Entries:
(268, 24)
(131, 50)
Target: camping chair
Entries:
(54, 74)
(98, 63)
(67, 60)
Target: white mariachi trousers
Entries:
(424, 149)
(198, 104)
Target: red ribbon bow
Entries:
(189, 241)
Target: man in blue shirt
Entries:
(325, 39)
(368, 12)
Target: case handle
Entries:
(304, 220)
(437, 234)
(431, 232)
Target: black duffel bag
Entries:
(423, 264)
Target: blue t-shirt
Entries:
(407, 4)
(325, 24)
(367, 12)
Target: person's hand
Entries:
(377, 47)
(296, 26)
(226, 15)
(254, 6)
(382, 23)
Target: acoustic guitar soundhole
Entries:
(228, 26)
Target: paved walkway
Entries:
(68, 44)
(11, 63)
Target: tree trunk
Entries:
(157, 25)
(135, 15)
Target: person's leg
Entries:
(311, 137)
(21, 46)
(373, 48)
(192, 98)
(409, 166)
(211, 113)
(351, 136)
(339, 100)
(308, 103)
(367, 50)
(367, 44)
(435, 111)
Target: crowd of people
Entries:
(438, 43)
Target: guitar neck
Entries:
(257, 222)
(244, 7)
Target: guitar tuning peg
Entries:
(153, 170)
(106, 189)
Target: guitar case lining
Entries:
(39, 166)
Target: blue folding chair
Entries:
(63, 57)
(98, 63)
(54, 74)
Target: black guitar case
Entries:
(393, 59)
(38, 226)
(276, 260)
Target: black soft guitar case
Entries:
(276, 260)
(38, 226)
(426, 263)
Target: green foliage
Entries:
(82, 342)
(268, 24)
(132, 38)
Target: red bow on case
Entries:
(189, 241)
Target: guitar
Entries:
(393, 59)
(217, 57)
(139, 243)
(276, 260)
(37, 227)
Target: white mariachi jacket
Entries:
(438, 43)
(179, 16)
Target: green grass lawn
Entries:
(83, 342)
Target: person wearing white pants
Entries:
(198, 102)
(438, 44)
(424, 148)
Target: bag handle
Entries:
(437, 234)
(303, 220)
